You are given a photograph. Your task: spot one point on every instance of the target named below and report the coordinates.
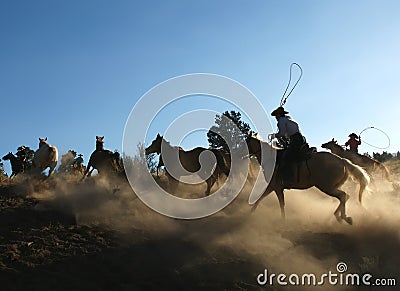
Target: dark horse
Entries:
(323, 170)
(103, 160)
(17, 165)
(189, 161)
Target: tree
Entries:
(25, 154)
(235, 135)
(3, 175)
(385, 156)
(367, 155)
(67, 162)
(152, 162)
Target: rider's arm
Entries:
(281, 127)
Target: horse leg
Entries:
(342, 197)
(360, 192)
(52, 168)
(172, 182)
(265, 194)
(281, 199)
(160, 164)
(210, 182)
(88, 171)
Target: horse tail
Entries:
(358, 174)
(118, 166)
(385, 170)
(221, 162)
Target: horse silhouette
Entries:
(45, 157)
(17, 165)
(104, 161)
(370, 165)
(187, 162)
(324, 170)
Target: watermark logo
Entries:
(341, 267)
(339, 278)
(135, 140)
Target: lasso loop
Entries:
(285, 97)
(372, 127)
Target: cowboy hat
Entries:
(279, 111)
(353, 135)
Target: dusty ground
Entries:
(62, 234)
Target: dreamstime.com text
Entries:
(340, 278)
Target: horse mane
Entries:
(255, 136)
(335, 142)
(163, 140)
(262, 141)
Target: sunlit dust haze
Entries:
(310, 240)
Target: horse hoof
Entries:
(338, 218)
(349, 220)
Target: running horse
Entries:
(103, 160)
(161, 162)
(45, 157)
(324, 170)
(16, 164)
(370, 165)
(189, 160)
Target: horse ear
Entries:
(45, 138)
(158, 135)
(97, 137)
(102, 137)
(333, 139)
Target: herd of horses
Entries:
(46, 156)
(327, 171)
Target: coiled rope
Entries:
(285, 97)
(372, 127)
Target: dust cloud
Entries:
(310, 240)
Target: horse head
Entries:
(99, 142)
(42, 141)
(99, 139)
(330, 144)
(8, 156)
(155, 146)
(253, 145)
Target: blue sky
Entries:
(70, 70)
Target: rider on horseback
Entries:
(353, 142)
(288, 129)
(78, 162)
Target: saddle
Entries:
(305, 152)
(291, 170)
